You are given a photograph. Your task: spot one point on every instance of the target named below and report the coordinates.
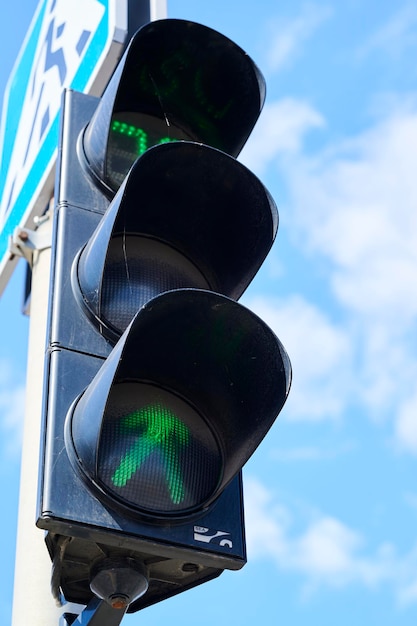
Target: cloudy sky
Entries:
(331, 495)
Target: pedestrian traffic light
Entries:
(159, 385)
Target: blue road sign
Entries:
(70, 43)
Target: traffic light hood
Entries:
(186, 396)
(176, 80)
(187, 215)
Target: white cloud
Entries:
(407, 589)
(320, 353)
(406, 426)
(327, 552)
(311, 453)
(289, 35)
(265, 533)
(12, 402)
(279, 130)
(354, 206)
(395, 36)
(408, 594)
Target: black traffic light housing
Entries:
(159, 385)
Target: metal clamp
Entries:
(24, 241)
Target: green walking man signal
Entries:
(159, 433)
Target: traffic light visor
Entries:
(181, 403)
(187, 216)
(177, 80)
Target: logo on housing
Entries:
(208, 535)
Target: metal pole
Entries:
(158, 9)
(97, 613)
(32, 601)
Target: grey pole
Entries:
(32, 601)
(158, 9)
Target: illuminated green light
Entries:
(131, 134)
(158, 430)
(166, 140)
(141, 139)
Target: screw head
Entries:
(119, 601)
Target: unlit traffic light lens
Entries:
(137, 270)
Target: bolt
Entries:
(119, 601)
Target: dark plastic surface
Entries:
(100, 530)
(200, 346)
(190, 76)
(207, 349)
(201, 203)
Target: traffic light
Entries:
(159, 386)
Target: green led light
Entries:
(140, 139)
(166, 140)
(158, 430)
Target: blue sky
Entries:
(331, 495)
